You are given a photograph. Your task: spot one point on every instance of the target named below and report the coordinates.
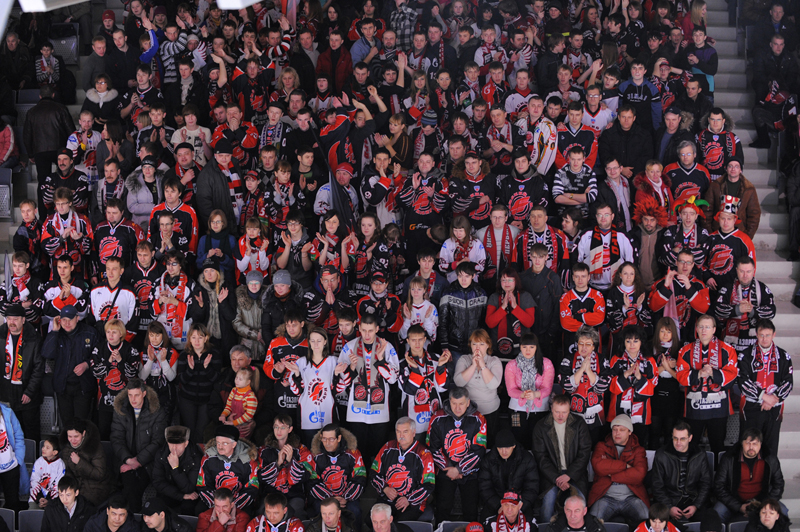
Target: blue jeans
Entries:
(549, 503)
(11, 162)
(725, 514)
(632, 508)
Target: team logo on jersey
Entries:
(721, 260)
(287, 374)
(483, 210)
(114, 381)
(714, 155)
(143, 289)
(456, 444)
(3, 442)
(109, 247)
(317, 391)
(422, 396)
(334, 479)
(422, 205)
(108, 312)
(228, 479)
(398, 478)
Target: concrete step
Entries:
(730, 48)
(728, 99)
(717, 17)
(722, 32)
(786, 319)
(770, 240)
(777, 221)
(737, 80)
(739, 113)
(731, 63)
(772, 265)
(755, 155)
(746, 131)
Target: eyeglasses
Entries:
(173, 263)
(329, 440)
(685, 262)
(705, 327)
(100, 83)
(592, 95)
(216, 222)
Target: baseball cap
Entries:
(69, 312)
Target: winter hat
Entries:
(282, 277)
(227, 431)
(177, 434)
(623, 421)
(15, 311)
(109, 15)
(255, 277)
(150, 161)
(429, 118)
(504, 438)
(223, 146)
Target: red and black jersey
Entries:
(697, 241)
(618, 317)
(20, 289)
(715, 150)
(291, 476)
(687, 182)
(410, 472)
(672, 89)
(335, 138)
(630, 395)
(116, 241)
(458, 442)
(578, 309)
(568, 138)
(765, 372)
(76, 181)
(283, 349)
(691, 301)
(141, 281)
(363, 267)
(493, 93)
(521, 192)
(390, 319)
(340, 473)
(557, 251)
(723, 250)
(261, 524)
(320, 313)
(238, 476)
(112, 377)
(51, 297)
(244, 142)
(252, 95)
(743, 326)
(185, 222)
(707, 398)
(106, 303)
(421, 211)
(586, 398)
(28, 238)
(466, 193)
(56, 243)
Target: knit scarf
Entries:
(21, 283)
(439, 52)
(431, 283)
(690, 239)
(369, 386)
(498, 255)
(250, 199)
(186, 86)
(601, 257)
(503, 135)
(504, 526)
(174, 318)
(213, 324)
(462, 250)
(632, 361)
(424, 400)
(13, 359)
(698, 362)
(224, 242)
(62, 226)
(620, 190)
(488, 51)
(528, 373)
(735, 326)
(421, 142)
(52, 62)
(765, 366)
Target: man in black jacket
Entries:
(213, 190)
(70, 511)
(505, 469)
(137, 434)
(157, 516)
(627, 142)
(547, 67)
(175, 471)
(545, 286)
(734, 492)
(557, 475)
(676, 128)
(775, 74)
(23, 389)
(574, 517)
(176, 98)
(71, 344)
(680, 476)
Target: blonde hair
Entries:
(279, 83)
(697, 13)
(481, 336)
(117, 325)
(420, 283)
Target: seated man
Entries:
(509, 517)
(175, 471)
(275, 516)
(70, 511)
(285, 464)
(157, 516)
(680, 476)
(330, 518)
(402, 472)
(574, 517)
(231, 464)
(620, 466)
(340, 470)
(117, 517)
(735, 491)
(562, 454)
(493, 484)
(137, 434)
(223, 516)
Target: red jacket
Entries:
(610, 467)
(339, 73)
(204, 523)
(8, 144)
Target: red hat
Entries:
(474, 527)
(693, 203)
(510, 497)
(730, 204)
(109, 15)
(345, 167)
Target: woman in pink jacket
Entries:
(529, 381)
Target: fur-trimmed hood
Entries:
(293, 440)
(121, 402)
(642, 183)
(730, 125)
(245, 301)
(245, 450)
(281, 330)
(348, 443)
(687, 121)
(460, 170)
(93, 96)
(135, 181)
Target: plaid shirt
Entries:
(402, 21)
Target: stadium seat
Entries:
(615, 527)
(449, 526)
(418, 526)
(737, 526)
(30, 451)
(651, 455)
(192, 520)
(8, 517)
(30, 520)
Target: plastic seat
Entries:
(692, 527)
(8, 517)
(449, 526)
(30, 451)
(192, 520)
(710, 458)
(30, 520)
(737, 526)
(418, 526)
(616, 527)
(651, 455)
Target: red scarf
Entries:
(503, 526)
(608, 257)
(462, 252)
(765, 364)
(424, 400)
(14, 368)
(736, 325)
(584, 388)
(188, 192)
(493, 251)
(21, 282)
(174, 318)
(713, 360)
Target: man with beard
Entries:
(539, 232)
(340, 470)
(510, 517)
(115, 237)
(650, 219)
(726, 246)
(707, 370)
(66, 176)
(541, 136)
(687, 177)
(740, 305)
(685, 235)
(604, 249)
(185, 170)
(288, 345)
(242, 135)
(498, 240)
(21, 385)
(687, 292)
(403, 473)
(457, 439)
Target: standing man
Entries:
(707, 369)
(580, 306)
(219, 185)
(24, 369)
(718, 145)
(681, 288)
(604, 249)
(765, 378)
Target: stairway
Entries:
(771, 240)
